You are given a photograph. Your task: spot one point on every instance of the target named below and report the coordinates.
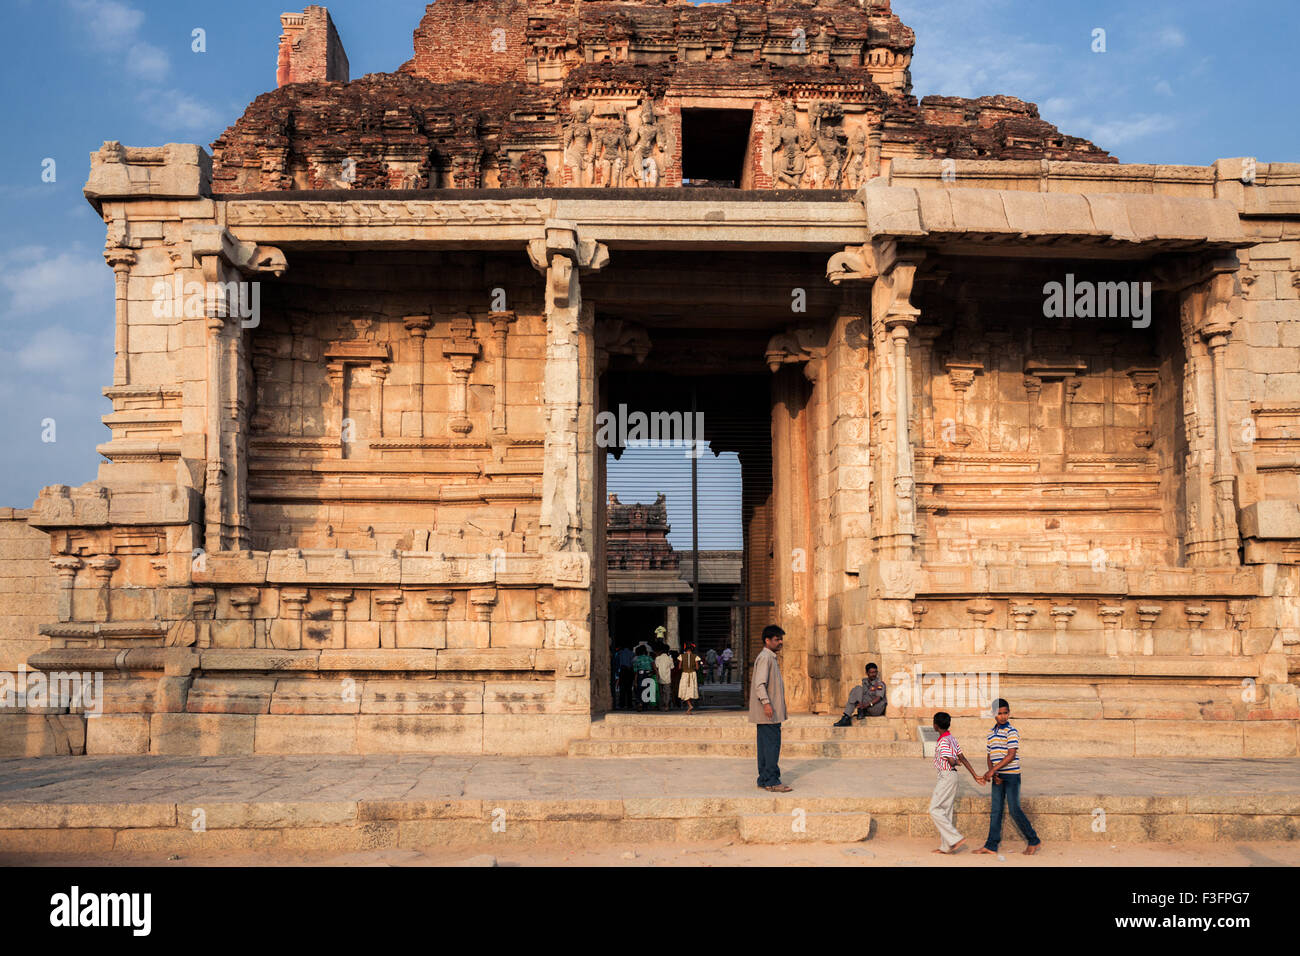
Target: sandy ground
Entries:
(891, 852)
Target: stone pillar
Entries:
(1209, 312)
(1061, 614)
(461, 352)
(1144, 383)
(567, 522)
(102, 567)
(501, 322)
(558, 257)
(214, 492)
(289, 636)
(439, 606)
(791, 527)
(1147, 616)
(1111, 616)
(793, 542)
(893, 311)
(388, 602)
(121, 260)
(227, 264)
(673, 625)
(378, 373)
(1216, 331)
(418, 326)
(339, 601)
(1021, 614)
(66, 567)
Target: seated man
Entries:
(868, 699)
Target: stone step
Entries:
(802, 827)
(670, 747)
(687, 730)
(740, 719)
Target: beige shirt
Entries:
(766, 686)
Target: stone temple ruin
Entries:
(353, 500)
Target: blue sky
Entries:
(1180, 82)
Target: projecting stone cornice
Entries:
(1070, 222)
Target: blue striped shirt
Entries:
(1002, 739)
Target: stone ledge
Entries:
(346, 825)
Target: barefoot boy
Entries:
(1004, 771)
(947, 754)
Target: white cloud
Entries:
(43, 280)
(115, 30)
(147, 62)
(1171, 37)
(109, 23)
(1163, 88)
(1116, 132)
(174, 110)
(59, 350)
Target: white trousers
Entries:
(942, 809)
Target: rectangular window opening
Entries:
(714, 144)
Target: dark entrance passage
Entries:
(688, 483)
(714, 143)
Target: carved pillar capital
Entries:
(439, 604)
(103, 566)
(556, 254)
(66, 566)
(294, 600)
(418, 325)
(794, 346)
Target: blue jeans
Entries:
(769, 752)
(1009, 791)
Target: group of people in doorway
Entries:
(767, 710)
(653, 676)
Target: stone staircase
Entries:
(706, 734)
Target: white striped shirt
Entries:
(946, 752)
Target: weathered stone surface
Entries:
(117, 734)
(797, 827)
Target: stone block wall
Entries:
(460, 40)
(28, 589)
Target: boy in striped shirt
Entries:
(1004, 771)
(947, 754)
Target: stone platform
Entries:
(704, 734)
(179, 805)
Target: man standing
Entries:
(664, 671)
(868, 698)
(767, 709)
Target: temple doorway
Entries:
(688, 491)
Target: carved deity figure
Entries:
(856, 169)
(646, 142)
(611, 143)
(577, 147)
(828, 136)
(788, 145)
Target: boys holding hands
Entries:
(947, 754)
(1004, 771)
